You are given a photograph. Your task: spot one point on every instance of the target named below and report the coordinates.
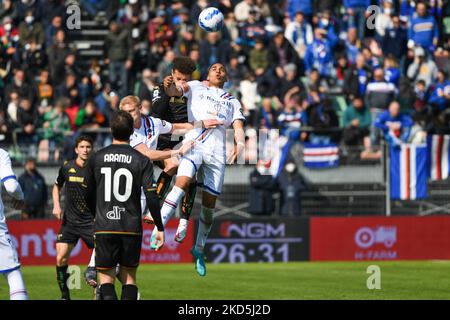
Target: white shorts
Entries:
(9, 259)
(210, 168)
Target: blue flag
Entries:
(409, 171)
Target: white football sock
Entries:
(17, 290)
(171, 203)
(92, 261)
(204, 227)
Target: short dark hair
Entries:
(184, 65)
(83, 138)
(121, 125)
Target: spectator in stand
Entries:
(356, 11)
(213, 50)
(144, 88)
(341, 68)
(319, 55)
(281, 52)
(292, 118)
(383, 22)
(8, 9)
(31, 30)
(94, 7)
(9, 47)
(5, 128)
(379, 93)
(423, 30)
(440, 97)
(50, 30)
(291, 184)
(352, 45)
(393, 42)
(36, 7)
(44, 90)
(13, 107)
(252, 29)
(63, 90)
(392, 71)
(235, 74)
(305, 6)
(165, 66)
(290, 84)
(262, 187)
(56, 125)
(20, 85)
(242, 10)
(395, 126)
(356, 123)
(323, 118)
(357, 78)
(35, 191)
(325, 21)
(57, 54)
(138, 34)
(90, 118)
(160, 32)
(423, 67)
(259, 58)
(27, 120)
(118, 56)
(299, 33)
(34, 60)
(250, 99)
(315, 81)
(52, 8)
(422, 95)
(232, 26)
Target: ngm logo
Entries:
(252, 230)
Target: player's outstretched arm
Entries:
(239, 138)
(173, 90)
(158, 155)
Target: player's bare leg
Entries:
(129, 288)
(106, 278)
(171, 202)
(63, 251)
(204, 227)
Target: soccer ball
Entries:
(211, 19)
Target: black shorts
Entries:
(70, 234)
(166, 143)
(113, 249)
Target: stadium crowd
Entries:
(325, 66)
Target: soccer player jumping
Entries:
(209, 153)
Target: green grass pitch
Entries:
(303, 280)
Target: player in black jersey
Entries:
(115, 177)
(173, 110)
(77, 219)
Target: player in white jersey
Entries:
(9, 259)
(205, 100)
(146, 132)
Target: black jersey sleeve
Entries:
(61, 178)
(160, 102)
(149, 187)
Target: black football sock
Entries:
(62, 276)
(108, 291)
(129, 292)
(163, 185)
(188, 201)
